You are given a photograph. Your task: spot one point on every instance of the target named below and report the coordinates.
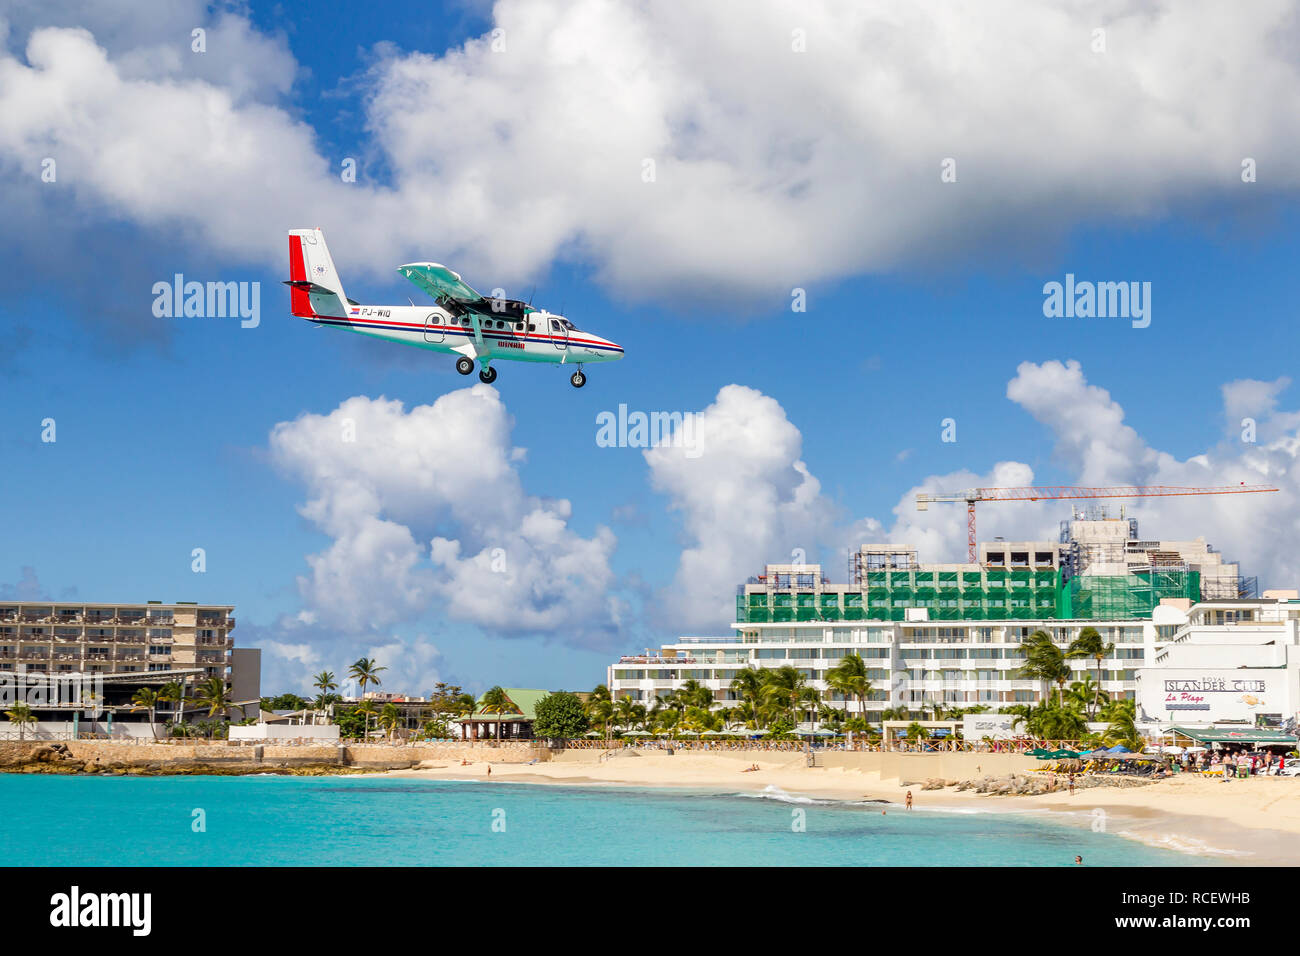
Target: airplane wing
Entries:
(440, 282)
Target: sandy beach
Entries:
(1251, 822)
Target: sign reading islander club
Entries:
(1205, 695)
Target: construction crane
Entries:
(972, 495)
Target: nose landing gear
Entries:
(487, 375)
(577, 379)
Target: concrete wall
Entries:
(323, 732)
(63, 730)
(251, 757)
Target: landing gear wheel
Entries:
(577, 379)
(487, 375)
(464, 365)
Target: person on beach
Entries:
(909, 799)
(1072, 784)
(1078, 861)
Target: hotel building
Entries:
(122, 646)
(950, 633)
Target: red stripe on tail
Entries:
(299, 300)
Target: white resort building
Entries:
(951, 633)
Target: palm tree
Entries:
(389, 718)
(665, 719)
(600, 709)
(365, 671)
(21, 715)
(694, 694)
(1049, 720)
(497, 701)
(809, 701)
(1085, 695)
(781, 686)
(628, 714)
(1123, 725)
(325, 683)
(747, 714)
(214, 695)
(146, 698)
(1044, 661)
(849, 679)
(367, 710)
(1090, 644)
(747, 688)
(175, 692)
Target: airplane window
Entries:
(555, 326)
(519, 326)
(500, 324)
(532, 326)
(465, 322)
(570, 326)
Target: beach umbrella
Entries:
(687, 733)
(1119, 749)
(826, 733)
(636, 733)
(712, 733)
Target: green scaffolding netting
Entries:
(982, 596)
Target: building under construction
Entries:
(1099, 568)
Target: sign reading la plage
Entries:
(1212, 696)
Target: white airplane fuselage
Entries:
(537, 337)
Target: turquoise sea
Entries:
(341, 821)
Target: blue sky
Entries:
(163, 425)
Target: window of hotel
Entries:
(1129, 635)
(160, 650)
(771, 653)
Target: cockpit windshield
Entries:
(569, 325)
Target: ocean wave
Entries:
(1182, 844)
(773, 792)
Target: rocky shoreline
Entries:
(219, 758)
(1028, 784)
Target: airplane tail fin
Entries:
(315, 288)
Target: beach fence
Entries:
(938, 745)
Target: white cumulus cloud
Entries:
(801, 141)
(426, 510)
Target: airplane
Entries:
(470, 325)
